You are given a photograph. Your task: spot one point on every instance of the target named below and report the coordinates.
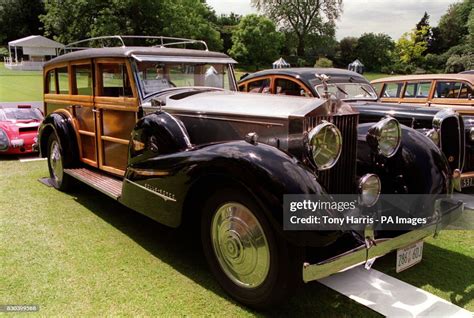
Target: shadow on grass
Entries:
(181, 249)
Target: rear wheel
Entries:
(252, 263)
(59, 179)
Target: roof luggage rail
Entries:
(165, 41)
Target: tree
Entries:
(452, 26)
(424, 24)
(226, 25)
(375, 50)
(302, 17)
(256, 41)
(19, 18)
(71, 20)
(347, 50)
(409, 47)
(323, 62)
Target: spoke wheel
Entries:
(240, 245)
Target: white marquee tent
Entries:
(280, 63)
(36, 47)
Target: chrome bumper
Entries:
(447, 212)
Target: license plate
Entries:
(467, 182)
(409, 256)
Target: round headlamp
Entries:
(369, 189)
(4, 142)
(325, 145)
(433, 134)
(385, 137)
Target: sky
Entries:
(393, 17)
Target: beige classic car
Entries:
(444, 90)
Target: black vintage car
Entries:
(452, 133)
(163, 131)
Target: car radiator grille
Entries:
(340, 179)
(452, 142)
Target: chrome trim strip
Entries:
(231, 119)
(164, 197)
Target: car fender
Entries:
(62, 125)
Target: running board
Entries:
(98, 180)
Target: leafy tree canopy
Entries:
(256, 41)
(303, 17)
(19, 18)
(375, 50)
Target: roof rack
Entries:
(165, 41)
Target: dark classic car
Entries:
(455, 136)
(19, 129)
(163, 131)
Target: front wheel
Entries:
(59, 179)
(253, 264)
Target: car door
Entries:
(82, 109)
(115, 108)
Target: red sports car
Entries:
(19, 129)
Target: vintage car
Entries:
(19, 129)
(163, 131)
(444, 90)
(443, 126)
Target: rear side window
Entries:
(82, 80)
(259, 86)
(114, 80)
(447, 89)
(50, 85)
(418, 90)
(392, 90)
(63, 81)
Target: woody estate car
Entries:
(444, 90)
(19, 129)
(163, 131)
(452, 133)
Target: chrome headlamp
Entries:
(4, 142)
(325, 145)
(385, 137)
(369, 189)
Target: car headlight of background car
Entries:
(385, 137)
(4, 142)
(369, 189)
(325, 145)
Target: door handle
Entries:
(95, 110)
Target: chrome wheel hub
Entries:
(240, 245)
(56, 162)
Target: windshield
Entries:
(349, 91)
(158, 76)
(20, 114)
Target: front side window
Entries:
(418, 90)
(157, 76)
(349, 91)
(451, 89)
(114, 80)
(288, 87)
(392, 90)
(259, 86)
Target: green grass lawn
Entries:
(83, 254)
(20, 86)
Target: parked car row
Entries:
(166, 132)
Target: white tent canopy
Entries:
(36, 45)
(356, 66)
(280, 63)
